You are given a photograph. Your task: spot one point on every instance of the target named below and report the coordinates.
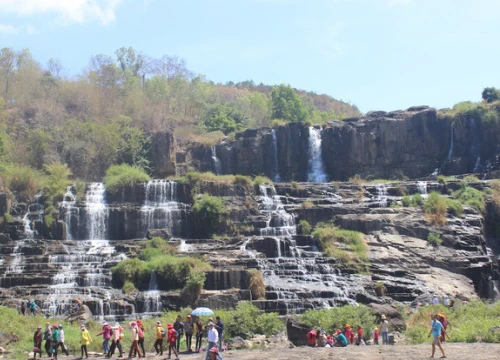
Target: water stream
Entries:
(275, 169)
(316, 167)
(216, 161)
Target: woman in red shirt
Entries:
(172, 339)
(311, 338)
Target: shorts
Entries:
(436, 340)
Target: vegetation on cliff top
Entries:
(120, 176)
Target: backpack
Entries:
(140, 332)
(163, 332)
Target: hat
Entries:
(139, 321)
(132, 324)
(158, 322)
(104, 323)
(375, 328)
(339, 331)
(39, 327)
(82, 326)
(214, 350)
(441, 314)
(170, 326)
(55, 326)
(383, 317)
(60, 326)
(188, 317)
(347, 325)
(115, 326)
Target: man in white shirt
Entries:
(213, 338)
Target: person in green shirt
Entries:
(55, 340)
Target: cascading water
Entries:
(279, 222)
(68, 208)
(216, 161)
(275, 169)
(450, 152)
(422, 188)
(381, 195)
(152, 297)
(316, 167)
(97, 211)
(161, 209)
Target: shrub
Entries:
(295, 185)
(259, 180)
(417, 200)
(406, 201)
(337, 317)
(56, 182)
(23, 181)
(192, 290)
(434, 238)
(455, 207)
(7, 217)
(241, 180)
(278, 122)
(120, 176)
(307, 205)
(469, 196)
(470, 178)
(256, 284)
(305, 227)
(380, 288)
(357, 179)
(209, 213)
(128, 287)
(435, 209)
(329, 239)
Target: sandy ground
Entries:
(457, 351)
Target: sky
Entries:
(375, 54)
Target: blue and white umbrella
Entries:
(202, 311)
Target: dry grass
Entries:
(257, 285)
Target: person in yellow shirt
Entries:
(159, 339)
(86, 340)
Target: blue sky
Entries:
(377, 54)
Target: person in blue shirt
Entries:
(436, 329)
(340, 339)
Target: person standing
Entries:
(106, 335)
(85, 340)
(140, 331)
(188, 329)
(135, 340)
(55, 340)
(213, 338)
(159, 339)
(199, 334)
(311, 338)
(444, 322)
(179, 327)
(61, 340)
(349, 334)
(23, 308)
(375, 335)
(360, 336)
(33, 307)
(37, 342)
(172, 339)
(384, 329)
(436, 329)
(219, 325)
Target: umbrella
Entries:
(202, 311)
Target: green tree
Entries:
(490, 94)
(286, 104)
(224, 118)
(209, 212)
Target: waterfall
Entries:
(152, 297)
(216, 161)
(68, 207)
(183, 247)
(275, 169)
(160, 209)
(450, 152)
(97, 212)
(316, 166)
(279, 222)
(477, 165)
(29, 233)
(381, 197)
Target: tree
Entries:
(287, 105)
(223, 118)
(490, 94)
(7, 68)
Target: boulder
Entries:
(163, 233)
(239, 343)
(296, 332)
(394, 317)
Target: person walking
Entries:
(61, 340)
(33, 307)
(159, 339)
(23, 308)
(116, 340)
(172, 339)
(135, 340)
(213, 338)
(199, 334)
(219, 325)
(179, 327)
(85, 340)
(55, 340)
(188, 329)
(375, 335)
(37, 342)
(436, 329)
(444, 322)
(106, 335)
(47, 337)
(384, 330)
(140, 331)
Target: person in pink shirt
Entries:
(106, 335)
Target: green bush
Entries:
(471, 178)
(246, 320)
(55, 182)
(469, 323)
(7, 217)
(23, 181)
(434, 238)
(128, 287)
(417, 200)
(192, 288)
(243, 181)
(469, 196)
(334, 242)
(435, 209)
(337, 317)
(305, 227)
(120, 176)
(455, 207)
(209, 213)
(406, 201)
(259, 180)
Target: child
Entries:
(85, 340)
(172, 338)
(375, 335)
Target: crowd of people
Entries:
(341, 337)
(53, 338)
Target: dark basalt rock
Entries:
(296, 332)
